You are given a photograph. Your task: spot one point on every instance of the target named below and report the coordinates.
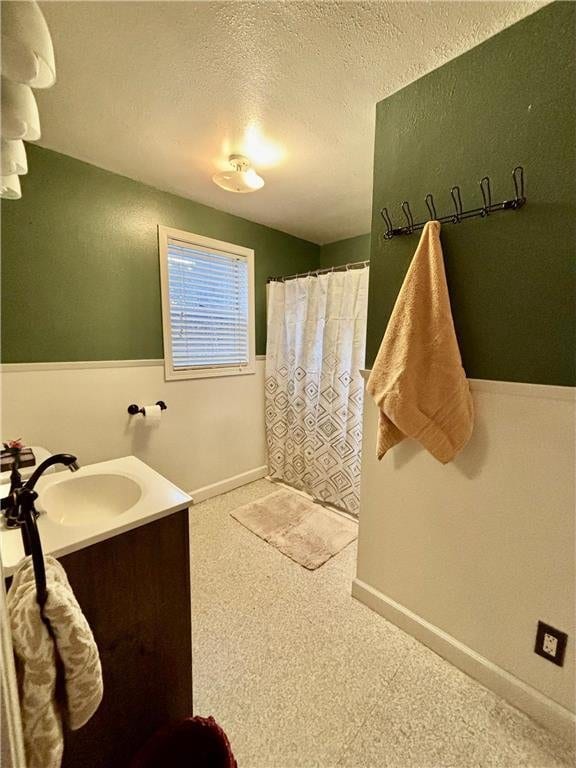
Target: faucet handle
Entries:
(15, 503)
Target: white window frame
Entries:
(199, 241)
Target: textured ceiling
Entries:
(162, 92)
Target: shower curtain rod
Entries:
(315, 272)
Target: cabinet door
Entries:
(134, 590)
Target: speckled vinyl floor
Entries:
(300, 675)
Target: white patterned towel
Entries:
(37, 654)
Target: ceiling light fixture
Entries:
(241, 179)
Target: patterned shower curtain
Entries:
(314, 390)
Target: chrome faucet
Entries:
(22, 496)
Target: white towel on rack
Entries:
(37, 653)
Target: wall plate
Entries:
(550, 643)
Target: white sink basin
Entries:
(83, 500)
(99, 501)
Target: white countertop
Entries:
(159, 497)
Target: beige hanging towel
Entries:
(36, 653)
(417, 380)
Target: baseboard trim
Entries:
(536, 705)
(228, 484)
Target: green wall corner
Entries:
(345, 251)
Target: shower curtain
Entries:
(314, 390)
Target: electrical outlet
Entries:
(550, 643)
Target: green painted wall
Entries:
(509, 101)
(80, 278)
(345, 251)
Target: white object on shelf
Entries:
(20, 118)
(13, 157)
(10, 187)
(27, 50)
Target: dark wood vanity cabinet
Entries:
(134, 589)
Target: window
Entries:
(207, 306)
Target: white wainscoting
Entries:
(210, 439)
(468, 557)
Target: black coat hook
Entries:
(488, 207)
(518, 178)
(388, 221)
(457, 198)
(408, 214)
(486, 195)
(431, 207)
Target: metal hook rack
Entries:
(459, 213)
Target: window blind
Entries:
(208, 292)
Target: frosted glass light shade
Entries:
(10, 187)
(20, 118)
(241, 179)
(27, 51)
(13, 158)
